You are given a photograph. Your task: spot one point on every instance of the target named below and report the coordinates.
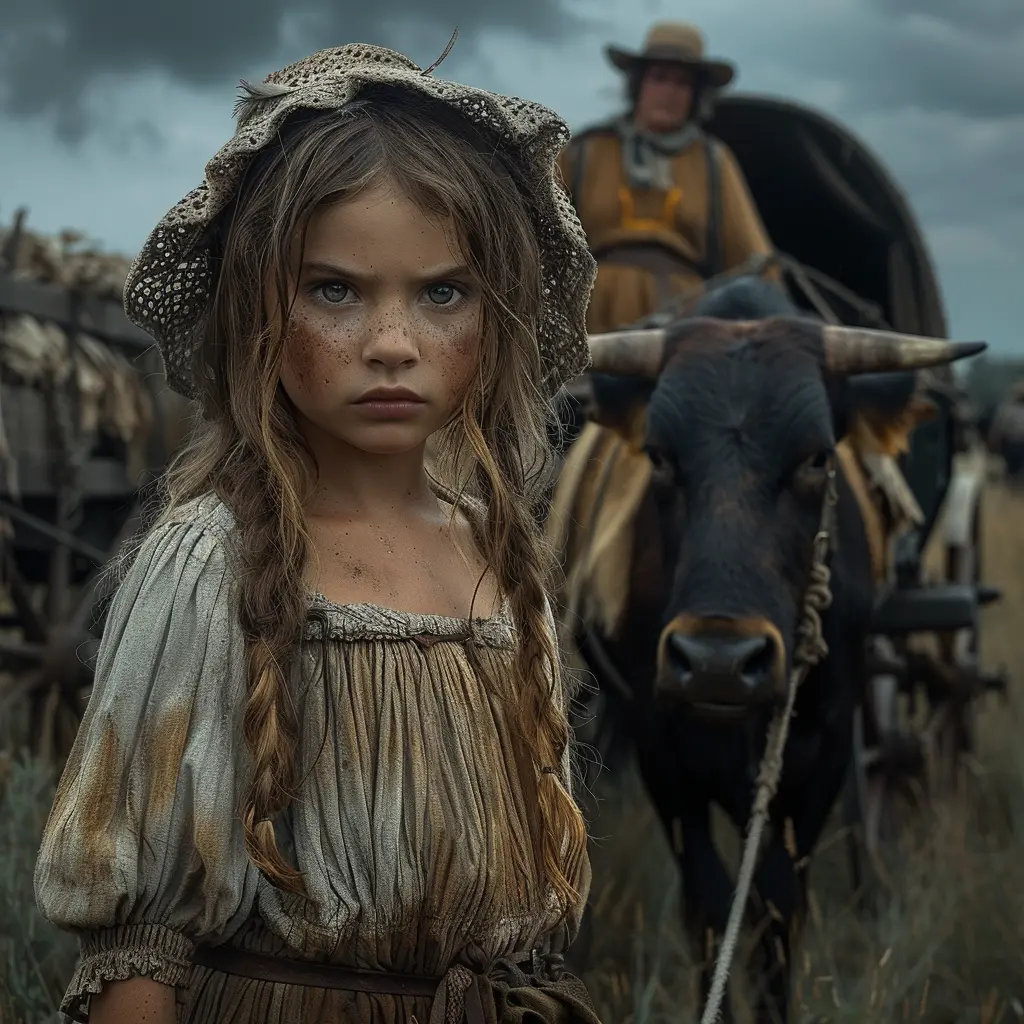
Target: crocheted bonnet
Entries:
(171, 282)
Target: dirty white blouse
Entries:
(410, 827)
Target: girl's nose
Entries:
(392, 340)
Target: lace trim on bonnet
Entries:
(170, 284)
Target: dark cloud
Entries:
(934, 87)
(935, 55)
(986, 18)
(53, 51)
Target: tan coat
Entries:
(677, 221)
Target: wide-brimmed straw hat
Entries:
(677, 42)
(171, 282)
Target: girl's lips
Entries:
(390, 408)
(385, 394)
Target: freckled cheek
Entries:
(455, 354)
(317, 355)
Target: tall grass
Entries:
(947, 946)
(36, 959)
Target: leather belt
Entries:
(288, 971)
(459, 995)
(657, 260)
(647, 256)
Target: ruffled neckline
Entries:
(367, 621)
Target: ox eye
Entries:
(664, 471)
(810, 476)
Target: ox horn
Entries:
(630, 353)
(858, 350)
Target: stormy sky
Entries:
(110, 108)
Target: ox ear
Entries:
(881, 394)
(613, 401)
(625, 370)
(619, 403)
(882, 410)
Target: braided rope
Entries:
(810, 650)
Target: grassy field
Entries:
(949, 948)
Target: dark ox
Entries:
(743, 413)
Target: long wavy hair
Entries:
(247, 449)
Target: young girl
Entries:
(323, 775)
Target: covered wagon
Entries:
(851, 252)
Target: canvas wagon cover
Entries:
(828, 202)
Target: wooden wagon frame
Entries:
(67, 502)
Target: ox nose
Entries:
(725, 671)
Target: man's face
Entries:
(666, 97)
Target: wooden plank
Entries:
(56, 533)
(30, 440)
(101, 318)
(101, 478)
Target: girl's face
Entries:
(384, 333)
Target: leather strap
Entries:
(661, 263)
(649, 256)
(713, 256)
(288, 971)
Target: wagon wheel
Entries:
(888, 780)
(954, 733)
(931, 716)
(43, 667)
(957, 679)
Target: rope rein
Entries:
(810, 650)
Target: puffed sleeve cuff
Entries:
(117, 954)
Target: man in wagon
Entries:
(664, 207)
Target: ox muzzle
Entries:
(721, 668)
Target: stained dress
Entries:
(410, 827)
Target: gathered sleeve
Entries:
(143, 853)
